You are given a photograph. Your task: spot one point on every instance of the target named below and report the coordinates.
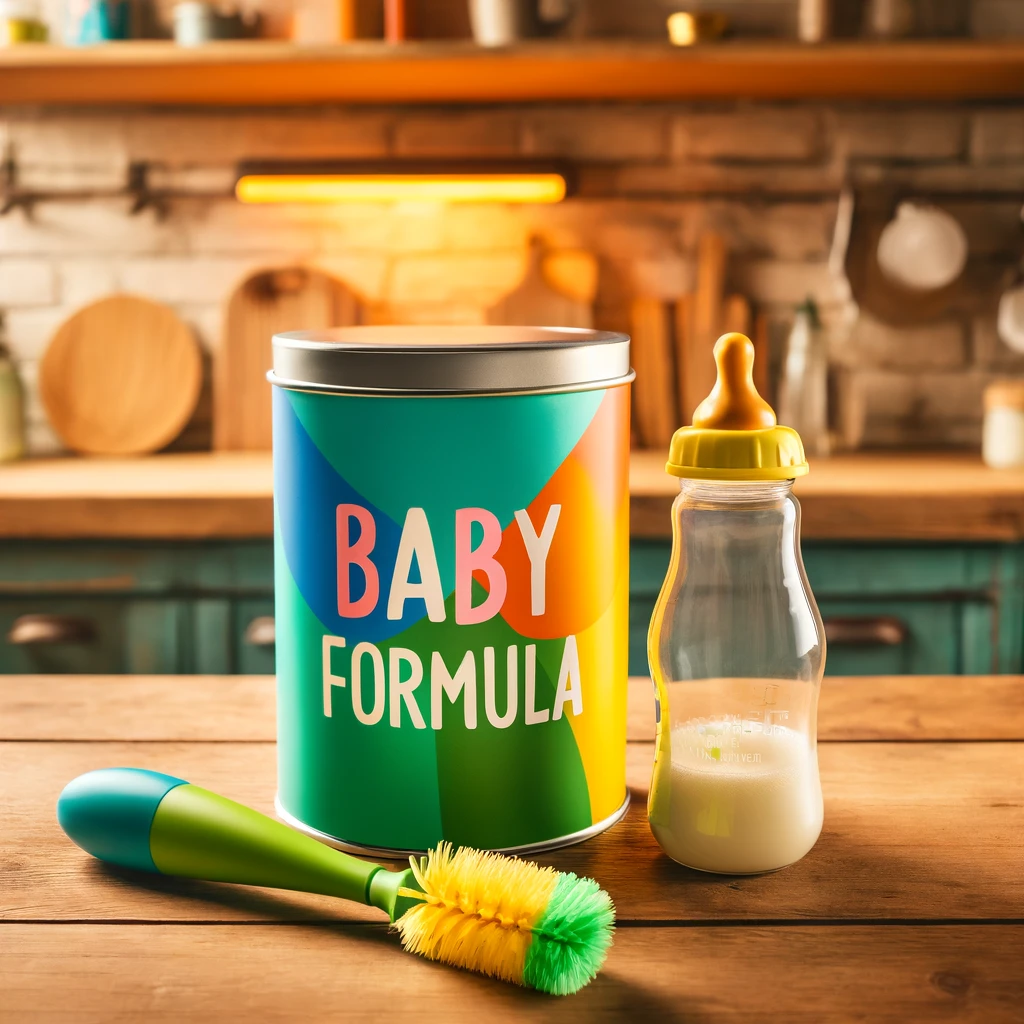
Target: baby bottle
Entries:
(736, 644)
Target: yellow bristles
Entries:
(478, 910)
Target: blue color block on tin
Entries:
(109, 813)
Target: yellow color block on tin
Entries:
(604, 655)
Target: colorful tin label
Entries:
(451, 605)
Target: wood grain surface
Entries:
(869, 496)
(698, 370)
(655, 415)
(242, 709)
(166, 974)
(909, 908)
(120, 377)
(175, 496)
(912, 832)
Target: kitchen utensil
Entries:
(320, 21)
(736, 314)
(535, 301)
(813, 20)
(98, 21)
(197, 22)
(1010, 317)
(922, 248)
(452, 528)
(573, 273)
(120, 377)
(506, 918)
(736, 318)
(803, 389)
(761, 340)
(736, 642)
(654, 391)
(500, 22)
(267, 302)
(12, 405)
(698, 364)
(683, 328)
(864, 281)
(840, 247)
(685, 28)
(398, 21)
(889, 19)
(1002, 442)
(942, 18)
(21, 21)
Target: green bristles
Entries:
(571, 939)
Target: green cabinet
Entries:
(105, 607)
(100, 607)
(90, 634)
(889, 609)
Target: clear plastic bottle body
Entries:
(737, 651)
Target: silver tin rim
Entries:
(458, 360)
(384, 853)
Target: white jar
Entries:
(1002, 443)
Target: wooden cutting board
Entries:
(654, 390)
(121, 377)
(705, 325)
(557, 291)
(264, 304)
(736, 315)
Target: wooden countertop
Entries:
(869, 496)
(909, 908)
(181, 496)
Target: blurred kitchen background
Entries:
(841, 180)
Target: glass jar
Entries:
(736, 644)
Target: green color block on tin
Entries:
(503, 787)
(516, 442)
(362, 784)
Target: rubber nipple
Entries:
(734, 403)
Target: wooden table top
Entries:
(910, 907)
(867, 496)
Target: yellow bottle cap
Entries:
(735, 435)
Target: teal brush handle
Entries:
(153, 822)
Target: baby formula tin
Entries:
(452, 560)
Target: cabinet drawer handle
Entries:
(866, 631)
(260, 632)
(51, 629)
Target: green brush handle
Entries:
(153, 822)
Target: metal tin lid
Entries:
(450, 360)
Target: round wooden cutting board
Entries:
(121, 377)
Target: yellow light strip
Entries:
(391, 188)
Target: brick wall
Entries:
(652, 178)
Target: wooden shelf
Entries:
(255, 73)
